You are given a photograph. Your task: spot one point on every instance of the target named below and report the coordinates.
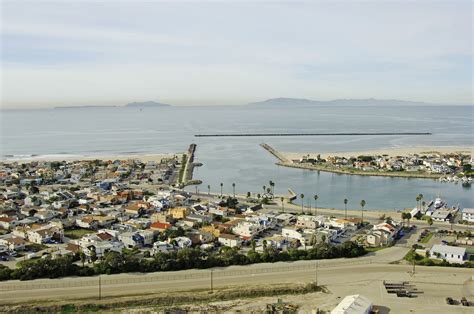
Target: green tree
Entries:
(430, 221)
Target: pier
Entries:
(312, 134)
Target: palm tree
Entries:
(233, 188)
(208, 189)
(418, 201)
(345, 208)
(264, 189)
(408, 216)
(222, 184)
(404, 216)
(272, 185)
(302, 203)
(316, 202)
(362, 204)
(282, 204)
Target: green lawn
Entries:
(76, 233)
(427, 238)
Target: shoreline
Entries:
(287, 158)
(408, 175)
(393, 151)
(67, 157)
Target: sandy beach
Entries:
(144, 157)
(396, 151)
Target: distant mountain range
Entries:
(143, 104)
(346, 102)
(282, 102)
(147, 104)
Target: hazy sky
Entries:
(114, 52)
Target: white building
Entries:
(247, 229)
(441, 215)
(229, 240)
(292, 233)
(468, 215)
(309, 222)
(451, 254)
(162, 247)
(353, 304)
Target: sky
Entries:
(68, 53)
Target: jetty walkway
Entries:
(275, 153)
(312, 134)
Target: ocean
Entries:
(121, 130)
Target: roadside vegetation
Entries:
(188, 258)
(166, 302)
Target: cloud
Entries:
(105, 52)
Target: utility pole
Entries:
(100, 288)
(212, 281)
(316, 273)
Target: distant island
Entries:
(345, 102)
(143, 104)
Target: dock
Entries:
(275, 153)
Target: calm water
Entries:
(107, 131)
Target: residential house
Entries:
(160, 226)
(468, 215)
(8, 222)
(309, 222)
(247, 229)
(229, 240)
(13, 243)
(178, 212)
(162, 247)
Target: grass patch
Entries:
(165, 300)
(76, 233)
(427, 238)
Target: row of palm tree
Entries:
(266, 190)
(316, 197)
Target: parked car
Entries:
(464, 302)
(449, 301)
